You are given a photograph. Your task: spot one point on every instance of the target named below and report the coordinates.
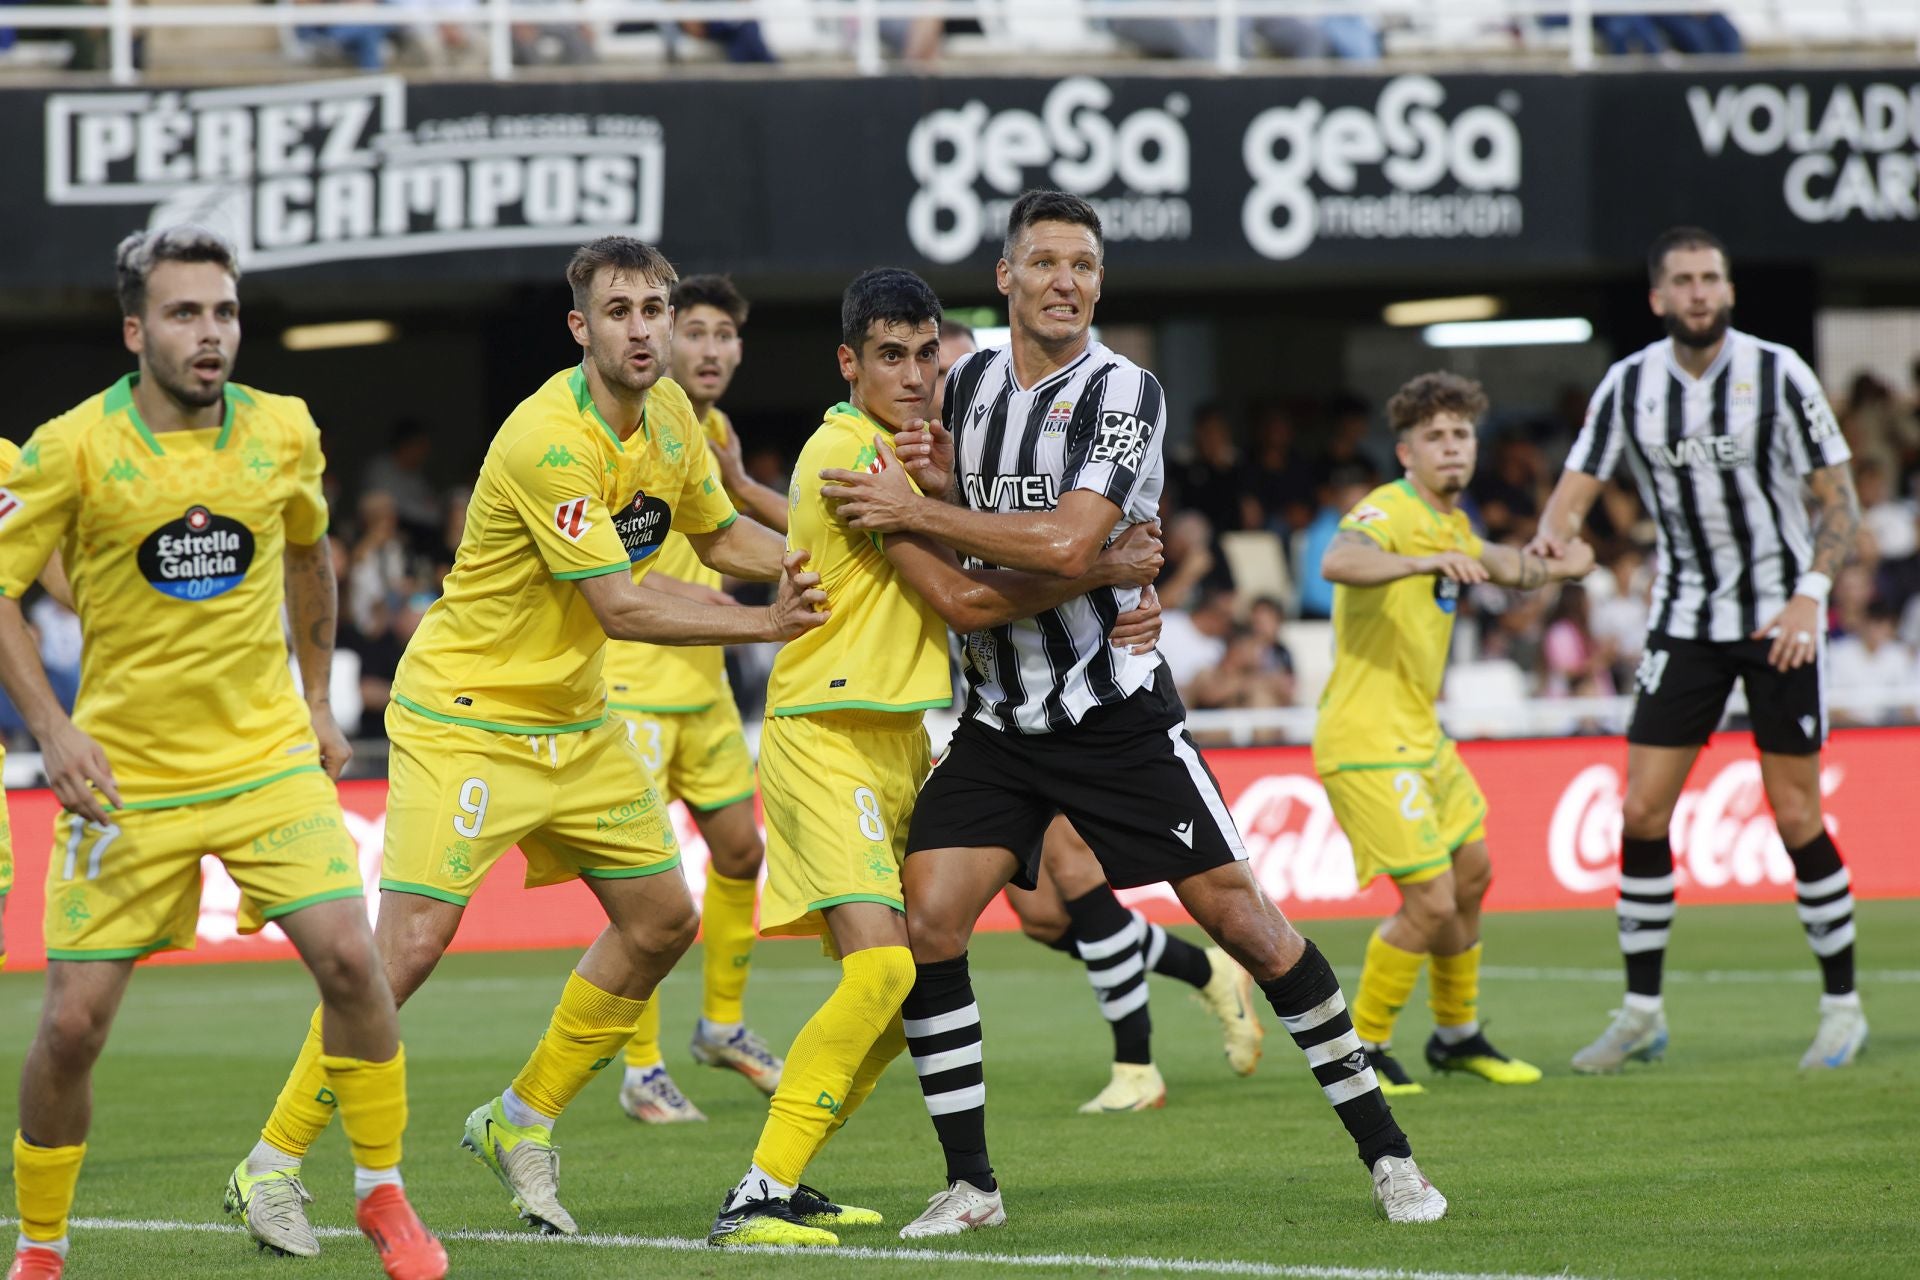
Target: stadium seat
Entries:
(1259, 568)
(794, 29)
(1479, 696)
(1310, 641)
(1032, 27)
(226, 52)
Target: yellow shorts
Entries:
(132, 887)
(6, 847)
(577, 804)
(696, 756)
(1406, 823)
(839, 789)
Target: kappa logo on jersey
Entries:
(9, 505)
(198, 556)
(570, 518)
(1367, 513)
(1123, 439)
(642, 525)
(1057, 418)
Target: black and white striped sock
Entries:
(1645, 914)
(1824, 890)
(942, 1023)
(1107, 939)
(1172, 956)
(1307, 998)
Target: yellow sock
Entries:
(43, 1182)
(890, 1045)
(643, 1050)
(305, 1106)
(1453, 988)
(373, 1105)
(726, 923)
(588, 1030)
(1386, 983)
(829, 1052)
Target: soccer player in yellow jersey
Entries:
(680, 711)
(499, 719)
(844, 752)
(187, 509)
(1410, 807)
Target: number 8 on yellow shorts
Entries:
(839, 788)
(1406, 822)
(578, 804)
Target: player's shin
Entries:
(643, 1051)
(727, 936)
(942, 1022)
(1307, 998)
(372, 1098)
(1108, 939)
(43, 1182)
(1645, 914)
(588, 1030)
(300, 1114)
(1453, 993)
(1386, 983)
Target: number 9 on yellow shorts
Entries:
(577, 804)
(839, 789)
(1406, 822)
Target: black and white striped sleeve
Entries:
(1596, 450)
(1810, 427)
(1118, 430)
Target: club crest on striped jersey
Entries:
(198, 556)
(642, 525)
(1055, 423)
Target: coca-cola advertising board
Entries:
(1553, 825)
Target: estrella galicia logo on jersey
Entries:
(642, 525)
(1446, 594)
(197, 557)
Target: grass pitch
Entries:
(1723, 1161)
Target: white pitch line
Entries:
(1758, 977)
(1035, 1261)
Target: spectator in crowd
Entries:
(1267, 618)
(1194, 640)
(1345, 36)
(1189, 558)
(1847, 604)
(437, 43)
(739, 41)
(1279, 492)
(1209, 482)
(1880, 431)
(543, 44)
(1508, 494)
(1871, 661)
(1619, 618)
(1890, 520)
(1578, 665)
(1344, 489)
(402, 473)
(380, 572)
(1240, 677)
(1653, 33)
(364, 45)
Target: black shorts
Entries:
(1681, 689)
(1127, 776)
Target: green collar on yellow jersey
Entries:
(583, 397)
(1417, 496)
(120, 396)
(846, 408)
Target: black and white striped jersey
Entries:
(1099, 424)
(1720, 462)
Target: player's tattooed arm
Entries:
(313, 606)
(1838, 524)
(1526, 570)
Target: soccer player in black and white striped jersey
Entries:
(1055, 446)
(1720, 430)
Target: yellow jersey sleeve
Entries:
(562, 507)
(37, 507)
(305, 512)
(1373, 516)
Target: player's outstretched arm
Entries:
(657, 581)
(744, 549)
(1064, 542)
(628, 611)
(1574, 494)
(974, 599)
(1527, 570)
(313, 605)
(1355, 560)
(768, 506)
(74, 763)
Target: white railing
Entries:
(122, 18)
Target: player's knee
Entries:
(936, 940)
(1645, 817)
(740, 861)
(1799, 819)
(345, 971)
(1430, 913)
(1471, 880)
(664, 936)
(73, 1035)
(889, 976)
(1046, 928)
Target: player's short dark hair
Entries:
(714, 291)
(1681, 238)
(891, 295)
(1435, 393)
(1043, 205)
(141, 252)
(951, 328)
(621, 254)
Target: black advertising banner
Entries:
(1782, 164)
(374, 177)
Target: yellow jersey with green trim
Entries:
(666, 677)
(882, 648)
(512, 646)
(173, 543)
(1390, 641)
(9, 454)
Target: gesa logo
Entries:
(198, 556)
(642, 525)
(1070, 143)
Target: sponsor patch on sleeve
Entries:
(570, 518)
(10, 505)
(1367, 513)
(1123, 439)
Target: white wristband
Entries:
(1813, 585)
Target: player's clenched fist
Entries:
(799, 605)
(1136, 556)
